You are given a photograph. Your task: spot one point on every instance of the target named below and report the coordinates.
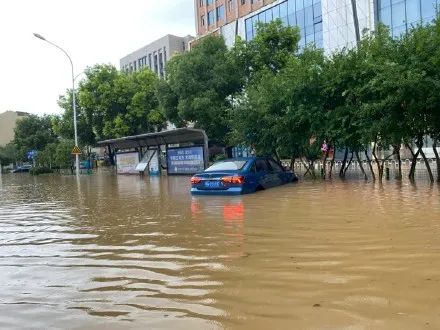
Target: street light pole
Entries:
(73, 96)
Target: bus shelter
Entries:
(186, 151)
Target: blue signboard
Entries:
(186, 160)
(31, 154)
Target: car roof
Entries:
(244, 158)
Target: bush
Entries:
(40, 170)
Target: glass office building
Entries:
(400, 15)
(306, 14)
(329, 24)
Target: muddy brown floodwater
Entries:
(125, 252)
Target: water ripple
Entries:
(124, 251)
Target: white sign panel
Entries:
(154, 162)
(126, 163)
(141, 167)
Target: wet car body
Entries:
(238, 176)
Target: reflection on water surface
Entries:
(142, 253)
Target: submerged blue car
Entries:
(240, 176)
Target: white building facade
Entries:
(155, 55)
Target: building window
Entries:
(202, 20)
(150, 65)
(156, 67)
(231, 5)
(201, 3)
(220, 11)
(210, 17)
(400, 15)
(161, 65)
(243, 2)
(306, 14)
(209, 2)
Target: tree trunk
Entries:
(361, 166)
(437, 159)
(399, 161)
(349, 163)
(306, 166)
(110, 155)
(371, 166)
(324, 165)
(332, 164)
(344, 161)
(292, 164)
(413, 162)
(428, 167)
(379, 167)
(312, 169)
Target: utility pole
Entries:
(39, 36)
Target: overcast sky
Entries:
(34, 73)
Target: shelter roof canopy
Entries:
(175, 136)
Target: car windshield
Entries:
(229, 165)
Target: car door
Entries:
(262, 173)
(276, 173)
(251, 177)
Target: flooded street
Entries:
(142, 253)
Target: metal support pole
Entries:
(355, 21)
(74, 117)
(205, 149)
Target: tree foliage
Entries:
(116, 104)
(200, 87)
(33, 133)
(9, 154)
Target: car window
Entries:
(253, 168)
(261, 165)
(275, 166)
(229, 165)
(268, 166)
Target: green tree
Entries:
(420, 49)
(201, 87)
(270, 50)
(364, 100)
(46, 157)
(63, 157)
(344, 127)
(98, 98)
(281, 105)
(63, 124)
(9, 154)
(402, 103)
(434, 62)
(33, 133)
(143, 113)
(115, 104)
(168, 102)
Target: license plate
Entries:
(212, 184)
